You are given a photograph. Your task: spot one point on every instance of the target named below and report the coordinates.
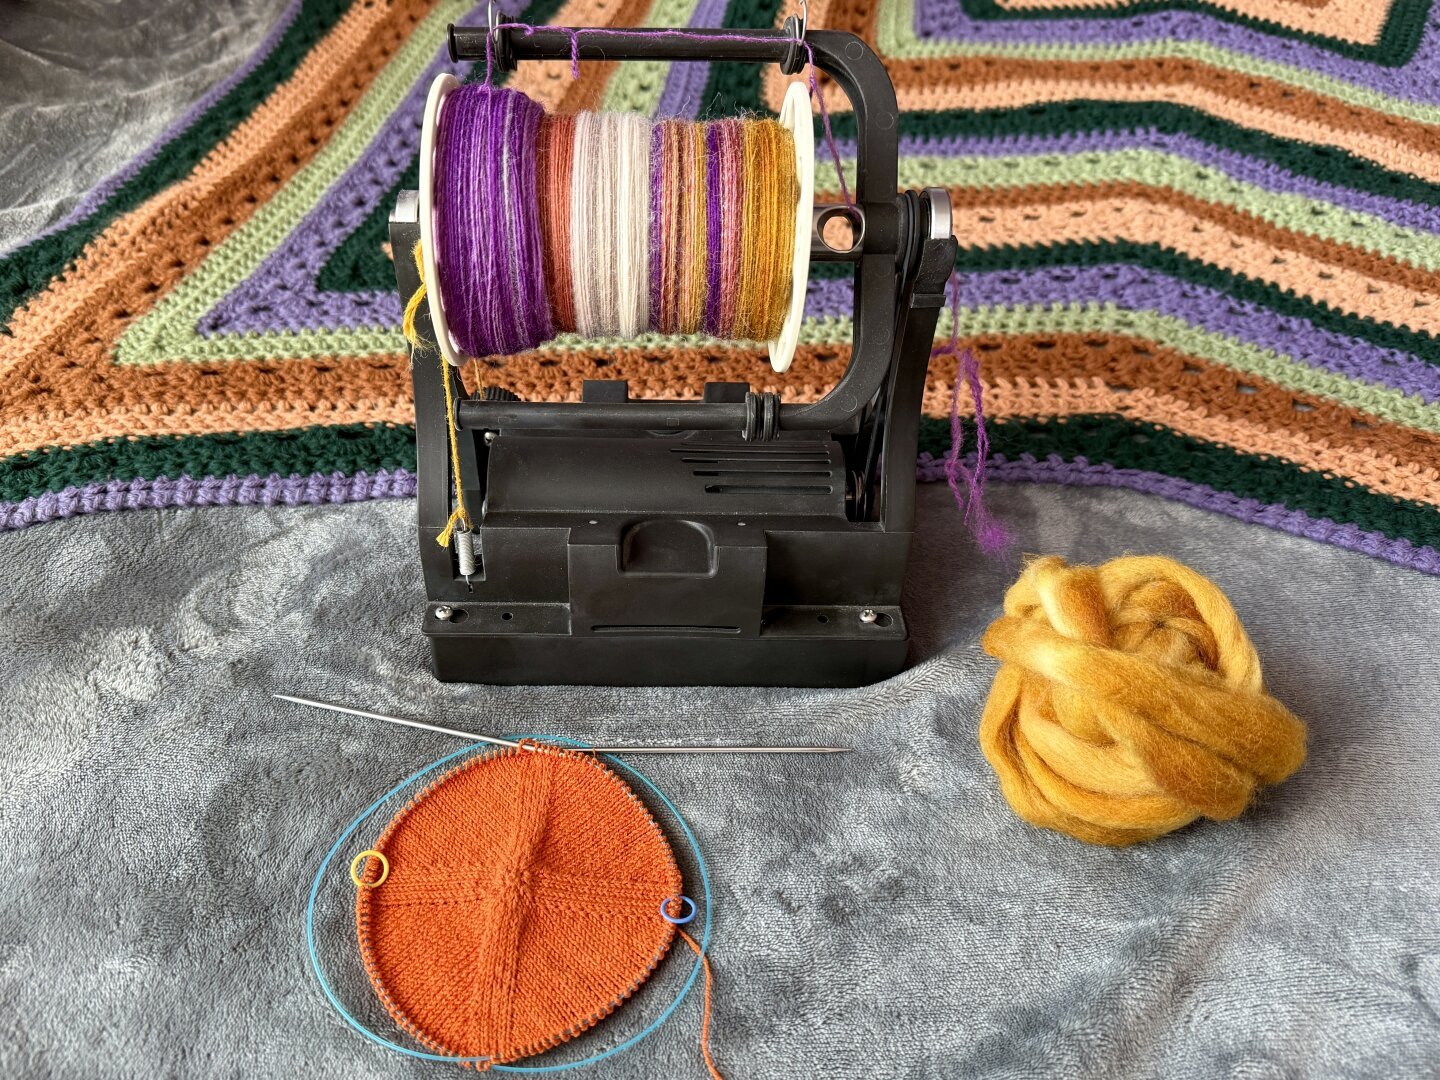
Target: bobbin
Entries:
(794, 117)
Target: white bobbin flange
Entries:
(796, 118)
(434, 103)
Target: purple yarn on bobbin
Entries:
(714, 266)
(487, 235)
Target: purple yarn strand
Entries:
(966, 483)
(575, 34)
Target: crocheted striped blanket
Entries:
(1198, 258)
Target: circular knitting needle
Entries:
(495, 741)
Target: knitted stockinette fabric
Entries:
(1129, 702)
(522, 904)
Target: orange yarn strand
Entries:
(705, 1016)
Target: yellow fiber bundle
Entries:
(1129, 702)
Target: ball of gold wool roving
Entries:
(1129, 701)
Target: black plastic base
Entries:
(795, 648)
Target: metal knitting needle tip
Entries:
(491, 739)
(396, 720)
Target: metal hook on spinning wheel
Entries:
(795, 56)
(499, 40)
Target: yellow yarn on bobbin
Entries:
(1129, 702)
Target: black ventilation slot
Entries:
(758, 472)
(751, 451)
(626, 629)
(767, 489)
(716, 459)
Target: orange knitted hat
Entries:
(517, 904)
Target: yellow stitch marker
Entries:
(384, 869)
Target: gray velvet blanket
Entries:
(879, 914)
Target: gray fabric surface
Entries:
(882, 914)
(86, 85)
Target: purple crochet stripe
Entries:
(1138, 289)
(1242, 167)
(685, 84)
(1081, 473)
(320, 489)
(710, 321)
(946, 20)
(164, 493)
(107, 187)
(281, 294)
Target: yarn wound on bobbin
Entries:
(605, 224)
(1129, 702)
(515, 903)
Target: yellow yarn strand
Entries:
(460, 516)
(1129, 702)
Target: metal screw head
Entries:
(489, 437)
(444, 612)
(869, 615)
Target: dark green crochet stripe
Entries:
(1184, 268)
(1123, 443)
(360, 264)
(1325, 163)
(299, 451)
(1131, 444)
(735, 88)
(27, 270)
(1395, 47)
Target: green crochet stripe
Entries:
(732, 89)
(1394, 48)
(1184, 268)
(1123, 443)
(1131, 444)
(360, 264)
(347, 449)
(1325, 163)
(27, 270)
